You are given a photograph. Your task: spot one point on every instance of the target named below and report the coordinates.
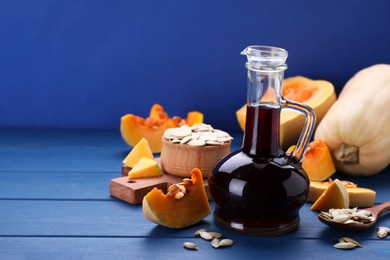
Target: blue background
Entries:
(83, 64)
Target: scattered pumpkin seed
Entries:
(215, 243)
(350, 240)
(216, 234)
(206, 235)
(344, 245)
(382, 232)
(226, 242)
(197, 233)
(214, 237)
(190, 245)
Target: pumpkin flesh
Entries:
(317, 161)
(133, 128)
(167, 211)
(358, 197)
(335, 196)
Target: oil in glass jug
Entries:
(259, 189)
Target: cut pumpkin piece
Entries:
(140, 150)
(318, 94)
(193, 118)
(358, 197)
(174, 211)
(335, 196)
(145, 168)
(317, 161)
(133, 128)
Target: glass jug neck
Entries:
(266, 67)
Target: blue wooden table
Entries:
(55, 204)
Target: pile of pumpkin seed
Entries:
(349, 216)
(197, 135)
(215, 238)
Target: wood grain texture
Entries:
(55, 203)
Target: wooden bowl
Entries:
(180, 159)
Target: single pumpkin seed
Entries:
(206, 235)
(173, 188)
(216, 234)
(179, 195)
(190, 245)
(187, 181)
(382, 232)
(341, 218)
(197, 233)
(196, 143)
(185, 140)
(215, 243)
(226, 242)
(350, 240)
(344, 245)
(182, 188)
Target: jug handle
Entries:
(308, 128)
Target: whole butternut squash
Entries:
(357, 126)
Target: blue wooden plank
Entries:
(80, 151)
(118, 219)
(95, 185)
(56, 185)
(245, 247)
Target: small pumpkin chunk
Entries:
(184, 205)
(145, 168)
(358, 197)
(335, 196)
(318, 162)
(140, 150)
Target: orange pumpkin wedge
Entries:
(317, 161)
(335, 196)
(318, 94)
(133, 128)
(358, 197)
(168, 211)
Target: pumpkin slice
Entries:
(318, 94)
(140, 150)
(358, 197)
(335, 196)
(145, 168)
(193, 118)
(168, 211)
(317, 161)
(133, 128)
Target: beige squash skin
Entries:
(361, 117)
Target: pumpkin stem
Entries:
(347, 153)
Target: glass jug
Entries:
(260, 189)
